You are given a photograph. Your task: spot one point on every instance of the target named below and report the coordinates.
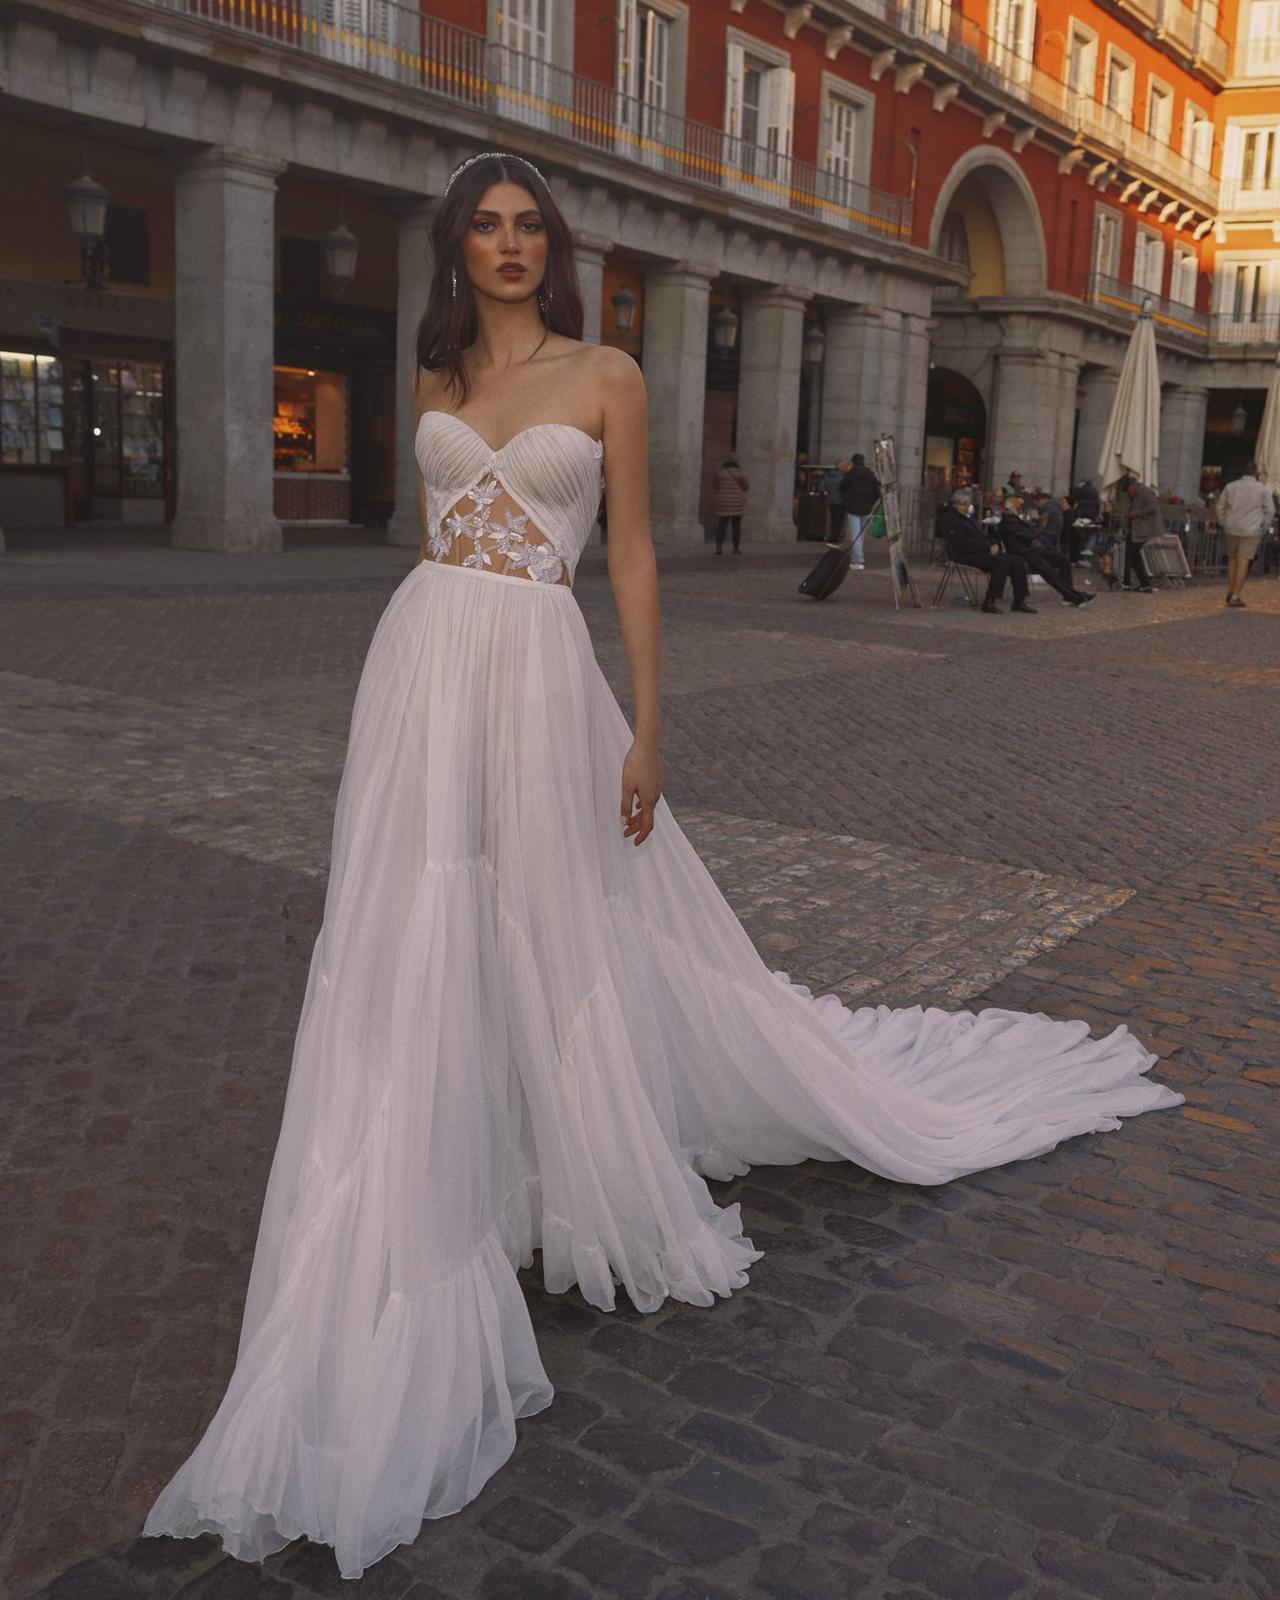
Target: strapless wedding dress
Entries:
(523, 1032)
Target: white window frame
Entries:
(1116, 57)
(643, 116)
(1148, 261)
(1260, 46)
(1184, 275)
(533, 79)
(1226, 269)
(1013, 32)
(862, 102)
(1104, 219)
(1088, 87)
(1197, 136)
(1158, 89)
(762, 171)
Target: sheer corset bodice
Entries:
(526, 509)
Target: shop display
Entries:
(30, 410)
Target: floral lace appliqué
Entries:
(505, 535)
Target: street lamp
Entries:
(624, 305)
(341, 247)
(87, 204)
(724, 330)
(815, 342)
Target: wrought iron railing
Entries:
(1258, 58)
(1229, 328)
(401, 44)
(1129, 299)
(398, 42)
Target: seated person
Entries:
(970, 545)
(1021, 540)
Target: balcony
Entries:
(1228, 328)
(1177, 22)
(1213, 52)
(1258, 58)
(454, 64)
(1239, 200)
(1127, 299)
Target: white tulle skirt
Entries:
(521, 1032)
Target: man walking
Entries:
(1145, 522)
(1245, 509)
(859, 490)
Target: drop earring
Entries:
(453, 283)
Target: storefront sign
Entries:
(324, 323)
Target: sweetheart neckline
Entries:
(451, 416)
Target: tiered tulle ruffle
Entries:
(521, 1032)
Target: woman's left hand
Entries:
(642, 783)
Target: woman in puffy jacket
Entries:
(729, 502)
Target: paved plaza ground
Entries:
(1056, 1380)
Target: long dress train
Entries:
(522, 1032)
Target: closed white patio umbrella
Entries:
(1132, 441)
(1267, 450)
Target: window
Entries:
(1182, 279)
(31, 401)
(1119, 84)
(1244, 291)
(1148, 261)
(1160, 112)
(524, 29)
(1106, 243)
(645, 73)
(1258, 165)
(1014, 29)
(845, 150)
(1197, 137)
(128, 246)
(1262, 39)
(1082, 61)
(759, 107)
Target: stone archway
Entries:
(986, 216)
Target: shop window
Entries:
(128, 245)
(126, 429)
(310, 422)
(31, 410)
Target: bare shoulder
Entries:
(432, 391)
(615, 371)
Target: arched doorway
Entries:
(987, 219)
(955, 431)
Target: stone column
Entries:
(224, 313)
(1059, 480)
(675, 369)
(1097, 393)
(768, 407)
(914, 400)
(1182, 418)
(414, 265)
(589, 251)
(1025, 431)
(852, 409)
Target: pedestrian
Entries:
(835, 503)
(1245, 508)
(729, 503)
(1145, 522)
(860, 491)
(970, 545)
(1021, 538)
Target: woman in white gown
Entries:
(532, 1022)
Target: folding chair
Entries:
(968, 580)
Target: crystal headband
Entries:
(502, 155)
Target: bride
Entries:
(532, 1023)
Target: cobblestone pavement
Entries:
(1050, 1381)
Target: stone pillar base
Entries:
(194, 530)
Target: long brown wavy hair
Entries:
(450, 324)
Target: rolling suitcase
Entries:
(1165, 558)
(829, 573)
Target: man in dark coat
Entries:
(1021, 540)
(1086, 501)
(859, 490)
(966, 542)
